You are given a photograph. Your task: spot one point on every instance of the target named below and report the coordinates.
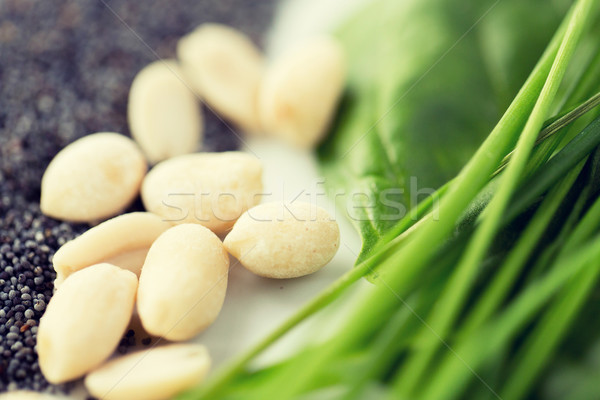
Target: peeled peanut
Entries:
(131, 260)
(211, 189)
(183, 282)
(93, 178)
(163, 113)
(153, 374)
(301, 90)
(225, 68)
(85, 321)
(279, 240)
(122, 241)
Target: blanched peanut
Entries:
(279, 240)
(183, 282)
(131, 260)
(153, 374)
(122, 241)
(211, 189)
(300, 92)
(163, 113)
(93, 178)
(225, 68)
(84, 321)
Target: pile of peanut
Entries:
(169, 266)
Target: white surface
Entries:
(297, 20)
(254, 306)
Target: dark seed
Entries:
(39, 305)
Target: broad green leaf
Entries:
(427, 82)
